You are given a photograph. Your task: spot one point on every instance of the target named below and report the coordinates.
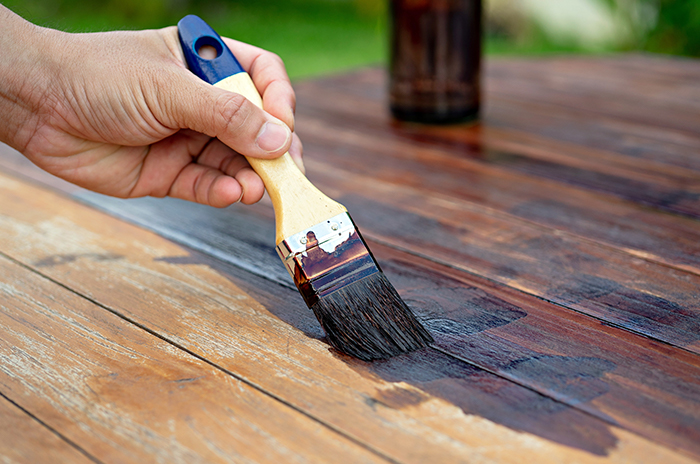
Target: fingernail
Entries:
(295, 153)
(290, 118)
(272, 137)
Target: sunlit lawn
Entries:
(312, 36)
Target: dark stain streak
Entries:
(182, 260)
(447, 306)
(578, 378)
(189, 379)
(632, 307)
(477, 392)
(397, 398)
(57, 260)
(455, 314)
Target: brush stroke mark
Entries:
(578, 378)
(611, 227)
(670, 199)
(413, 228)
(453, 311)
(397, 398)
(456, 314)
(477, 392)
(447, 306)
(645, 312)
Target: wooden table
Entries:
(552, 250)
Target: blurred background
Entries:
(324, 36)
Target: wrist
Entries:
(24, 80)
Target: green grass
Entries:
(312, 36)
(316, 37)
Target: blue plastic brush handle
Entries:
(195, 33)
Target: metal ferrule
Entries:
(326, 257)
(328, 235)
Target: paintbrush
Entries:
(334, 270)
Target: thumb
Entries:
(228, 116)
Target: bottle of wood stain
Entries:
(435, 60)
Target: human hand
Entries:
(119, 113)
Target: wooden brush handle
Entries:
(298, 203)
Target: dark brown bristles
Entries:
(338, 277)
(369, 320)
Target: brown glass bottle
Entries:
(435, 60)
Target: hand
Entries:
(119, 113)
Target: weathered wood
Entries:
(243, 236)
(598, 369)
(609, 284)
(598, 169)
(424, 407)
(24, 440)
(632, 293)
(627, 291)
(562, 195)
(125, 395)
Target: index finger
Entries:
(270, 77)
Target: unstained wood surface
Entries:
(553, 251)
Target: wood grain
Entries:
(617, 375)
(553, 250)
(609, 284)
(125, 395)
(429, 407)
(598, 369)
(24, 440)
(426, 406)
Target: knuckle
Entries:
(231, 112)
(271, 59)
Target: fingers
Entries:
(296, 151)
(202, 184)
(228, 116)
(193, 104)
(270, 77)
(193, 167)
(218, 156)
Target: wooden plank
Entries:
(125, 395)
(423, 407)
(572, 342)
(655, 91)
(633, 140)
(471, 157)
(610, 285)
(24, 440)
(218, 230)
(642, 385)
(602, 219)
(354, 104)
(334, 104)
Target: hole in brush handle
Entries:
(196, 38)
(208, 48)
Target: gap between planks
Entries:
(492, 212)
(120, 316)
(509, 378)
(69, 451)
(184, 349)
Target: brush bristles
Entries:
(369, 320)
